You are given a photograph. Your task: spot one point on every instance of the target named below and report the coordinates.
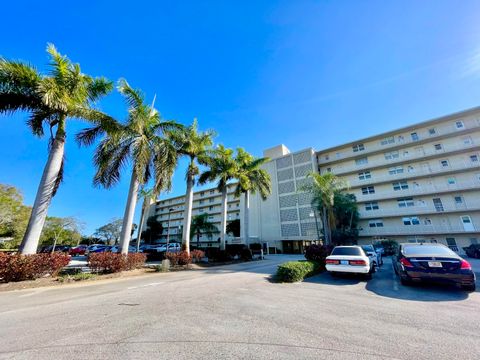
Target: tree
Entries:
(154, 229)
(139, 141)
(323, 188)
(233, 227)
(195, 146)
(201, 225)
(62, 231)
(110, 233)
(13, 216)
(251, 178)
(51, 100)
(346, 218)
(221, 167)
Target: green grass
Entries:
(77, 277)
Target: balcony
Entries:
(399, 143)
(416, 173)
(417, 189)
(414, 230)
(425, 154)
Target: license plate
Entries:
(436, 264)
(344, 262)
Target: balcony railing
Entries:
(414, 155)
(414, 230)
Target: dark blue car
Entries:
(432, 263)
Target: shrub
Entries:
(256, 247)
(318, 253)
(197, 255)
(178, 258)
(217, 255)
(17, 267)
(111, 262)
(293, 271)
(76, 277)
(246, 254)
(390, 247)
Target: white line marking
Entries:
(143, 286)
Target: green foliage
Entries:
(13, 216)
(154, 230)
(233, 227)
(250, 176)
(293, 271)
(61, 231)
(221, 167)
(81, 276)
(346, 217)
(201, 225)
(110, 233)
(390, 247)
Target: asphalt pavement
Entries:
(237, 312)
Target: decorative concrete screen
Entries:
(302, 157)
(305, 213)
(286, 174)
(303, 170)
(288, 215)
(302, 183)
(309, 229)
(288, 201)
(286, 187)
(290, 230)
(304, 199)
(284, 162)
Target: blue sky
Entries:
(261, 73)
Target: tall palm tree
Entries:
(221, 167)
(251, 178)
(195, 145)
(148, 198)
(323, 188)
(51, 99)
(201, 225)
(141, 142)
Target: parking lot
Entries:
(237, 312)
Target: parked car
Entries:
(373, 254)
(58, 248)
(78, 250)
(117, 249)
(97, 248)
(379, 249)
(473, 251)
(432, 263)
(161, 248)
(349, 259)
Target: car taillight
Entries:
(332, 262)
(358, 262)
(465, 265)
(405, 262)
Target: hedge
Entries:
(17, 267)
(108, 262)
(293, 271)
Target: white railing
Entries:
(407, 140)
(412, 155)
(416, 172)
(413, 230)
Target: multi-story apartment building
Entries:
(170, 212)
(417, 183)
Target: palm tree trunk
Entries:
(325, 226)
(44, 194)
(126, 233)
(140, 226)
(223, 224)
(188, 213)
(246, 217)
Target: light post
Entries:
(168, 229)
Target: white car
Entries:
(373, 254)
(349, 259)
(172, 247)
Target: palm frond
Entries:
(133, 97)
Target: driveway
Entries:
(236, 312)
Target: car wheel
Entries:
(469, 288)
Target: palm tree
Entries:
(195, 146)
(221, 167)
(65, 93)
(323, 189)
(201, 225)
(251, 178)
(139, 141)
(148, 198)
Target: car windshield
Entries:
(420, 250)
(368, 248)
(356, 251)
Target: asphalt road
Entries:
(235, 312)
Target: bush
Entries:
(246, 254)
(178, 258)
(77, 277)
(111, 262)
(390, 247)
(217, 255)
(16, 267)
(256, 247)
(318, 253)
(293, 271)
(197, 255)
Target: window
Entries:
(361, 161)
(211, 208)
(386, 141)
(202, 193)
(467, 141)
(400, 185)
(458, 200)
(212, 191)
(431, 131)
(338, 155)
(391, 155)
(201, 202)
(327, 157)
(413, 220)
(375, 223)
(405, 202)
(410, 169)
(451, 181)
(459, 125)
(210, 217)
(238, 204)
(395, 170)
(371, 206)
(428, 221)
(211, 199)
(364, 175)
(358, 147)
(415, 136)
(474, 158)
(444, 163)
(329, 170)
(437, 202)
(201, 210)
(452, 244)
(406, 153)
(438, 146)
(368, 190)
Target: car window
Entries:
(347, 251)
(427, 250)
(368, 248)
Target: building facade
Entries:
(420, 183)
